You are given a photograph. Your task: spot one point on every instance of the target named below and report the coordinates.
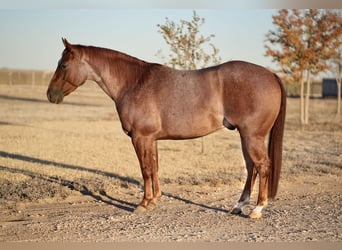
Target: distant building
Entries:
(329, 88)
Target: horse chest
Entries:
(139, 116)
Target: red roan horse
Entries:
(155, 102)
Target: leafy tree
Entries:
(337, 69)
(187, 45)
(301, 44)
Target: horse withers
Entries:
(155, 102)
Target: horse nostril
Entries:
(54, 96)
(48, 95)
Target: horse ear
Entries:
(67, 45)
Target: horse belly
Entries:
(190, 105)
(190, 123)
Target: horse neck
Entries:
(113, 71)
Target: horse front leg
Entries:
(147, 153)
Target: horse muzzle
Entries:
(55, 96)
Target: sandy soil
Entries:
(68, 173)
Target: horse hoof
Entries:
(140, 210)
(236, 210)
(151, 206)
(255, 215)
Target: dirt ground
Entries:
(68, 173)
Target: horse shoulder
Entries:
(138, 112)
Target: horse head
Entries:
(70, 73)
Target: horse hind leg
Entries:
(257, 163)
(249, 184)
(258, 153)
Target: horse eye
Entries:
(64, 65)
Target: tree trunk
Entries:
(307, 97)
(302, 118)
(338, 81)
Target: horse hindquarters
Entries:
(275, 147)
(266, 164)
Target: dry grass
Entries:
(49, 150)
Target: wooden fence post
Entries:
(33, 79)
(10, 77)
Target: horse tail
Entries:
(275, 145)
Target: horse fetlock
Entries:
(256, 213)
(151, 206)
(237, 209)
(146, 205)
(140, 209)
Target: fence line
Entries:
(43, 77)
(25, 77)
